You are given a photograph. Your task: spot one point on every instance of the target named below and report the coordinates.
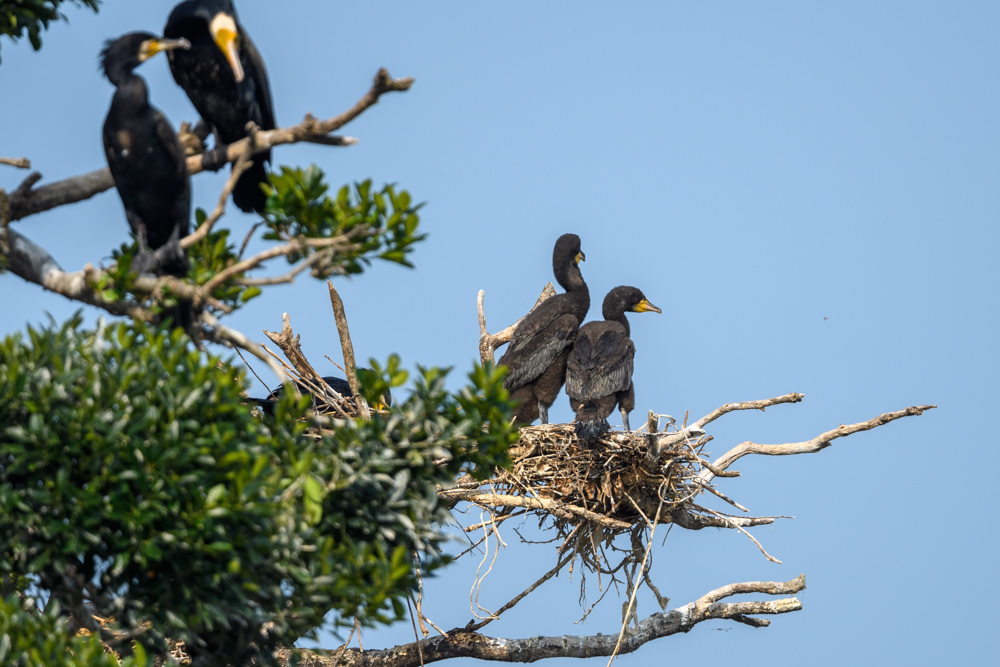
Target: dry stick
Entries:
(343, 242)
(220, 333)
(83, 187)
(559, 509)
(242, 164)
(527, 591)
(489, 343)
(635, 586)
(19, 162)
(348, 348)
(349, 637)
(746, 405)
(818, 443)
(289, 344)
(420, 651)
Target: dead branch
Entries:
(19, 162)
(219, 333)
(746, 405)
(464, 643)
(33, 263)
(78, 188)
(488, 343)
(350, 368)
(818, 443)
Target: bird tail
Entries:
(591, 428)
(247, 194)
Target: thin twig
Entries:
(348, 349)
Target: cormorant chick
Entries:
(145, 156)
(339, 385)
(599, 370)
(536, 356)
(225, 78)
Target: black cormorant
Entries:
(225, 78)
(145, 156)
(536, 356)
(599, 370)
(339, 385)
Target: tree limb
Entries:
(78, 188)
(821, 441)
(488, 343)
(19, 162)
(463, 643)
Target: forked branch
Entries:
(463, 643)
(28, 201)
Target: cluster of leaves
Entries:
(33, 638)
(369, 223)
(133, 479)
(378, 223)
(381, 501)
(33, 16)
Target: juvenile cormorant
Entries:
(536, 356)
(339, 385)
(145, 156)
(599, 370)
(225, 78)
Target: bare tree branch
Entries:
(818, 443)
(33, 263)
(746, 405)
(19, 162)
(488, 343)
(465, 643)
(347, 347)
(78, 188)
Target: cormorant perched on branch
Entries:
(145, 156)
(225, 78)
(599, 370)
(536, 356)
(339, 385)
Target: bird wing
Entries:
(172, 146)
(599, 367)
(532, 351)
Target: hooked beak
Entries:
(223, 29)
(153, 46)
(645, 306)
(580, 257)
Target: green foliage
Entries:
(129, 461)
(132, 476)
(379, 223)
(33, 638)
(381, 501)
(33, 16)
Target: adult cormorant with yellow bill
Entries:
(225, 78)
(599, 369)
(145, 156)
(536, 356)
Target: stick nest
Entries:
(612, 478)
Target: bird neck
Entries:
(131, 93)
(618, 315)
(570, 278)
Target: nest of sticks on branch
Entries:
(612, 478)
(593, 491)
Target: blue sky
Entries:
(808, 191)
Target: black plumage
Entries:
(599, 369)
(145, 156)
(224, 76)
(339, 385)
(536, 356)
